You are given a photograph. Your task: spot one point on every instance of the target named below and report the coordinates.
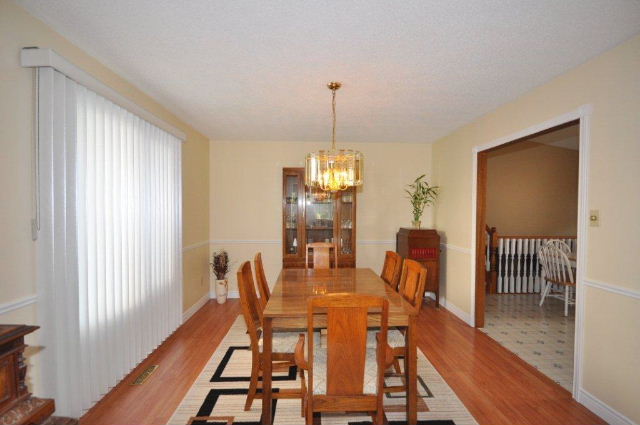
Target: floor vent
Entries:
(144, 375)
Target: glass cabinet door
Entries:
(319, 211)
(291, 214)
(347, 218)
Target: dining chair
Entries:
(283, 342)
(560, 244)
(411, 288)
(261, 279)
(346, 376)
(391, 269)
(556, 269)
(321, 255)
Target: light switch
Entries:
(594, 218)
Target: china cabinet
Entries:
(315, 216)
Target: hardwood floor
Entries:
(181, 358)
(495, 385)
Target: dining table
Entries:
(286, 310)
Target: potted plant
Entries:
(220, 267)
(420, 194)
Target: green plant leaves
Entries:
(421, 194)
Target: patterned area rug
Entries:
(218, 395)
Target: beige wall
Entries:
(17, 251)
(532, 189)
(611, 84)
(246, 203)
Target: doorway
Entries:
(524, 280)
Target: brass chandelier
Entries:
(334, 169)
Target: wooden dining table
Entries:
(287, 310)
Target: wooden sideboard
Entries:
(422, 245)
(17, 406)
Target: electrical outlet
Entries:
(594, 218)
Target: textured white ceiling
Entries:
(412, 70)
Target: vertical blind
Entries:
(109, 248)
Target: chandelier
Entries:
(334, 169)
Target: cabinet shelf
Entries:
(339, 208)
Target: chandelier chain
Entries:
(333, 108)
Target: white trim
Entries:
(244, 242)
(600, 408)
(230, 294)
(15, 305)
(612, 288)
(35, 57)
(186, 315)
(195, 246)
(456, 248)
(583, 113)
(452, 308)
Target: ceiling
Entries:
(412, 71)
(566, 138)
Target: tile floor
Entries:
(541, 336)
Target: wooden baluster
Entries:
(512, 277)
(501, 265)
(532, 272)
(525, 265)
(507, 265)
(518, 257)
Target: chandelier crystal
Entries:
(334, 169)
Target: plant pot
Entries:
(416, 224)
(222, 287)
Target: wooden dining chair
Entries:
(346, 376)
(321, 255)
(391, 269)
(411, 288)
(556, 269)
(261, 279)
(283, 342)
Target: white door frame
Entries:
(583, 113)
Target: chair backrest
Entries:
(347, 316)
(321, 255)
(560, 244)
(261, 279)
(391, 269)
(412, 282)
(249, 302)
(555, 265)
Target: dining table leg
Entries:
(411, 368)
(267, 338)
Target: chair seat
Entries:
(395, 338)
(320, 372)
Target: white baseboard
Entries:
(230, 294)
(606, 412)
(457, 311)
(195, 307)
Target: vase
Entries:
(416, 224)
(221, 290)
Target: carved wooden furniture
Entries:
(287, 308)
(311, 216)
(346, 376)
(321, 255)
(391, 269)
(422, 245)
(261, 279)
(283, 344)
(411, 288)
(16, 404)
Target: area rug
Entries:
(218, 395)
